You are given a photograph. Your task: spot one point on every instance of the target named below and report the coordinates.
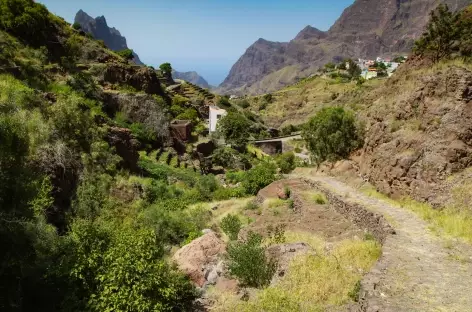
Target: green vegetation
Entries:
(248, 262)
(127, 54)
(258, 178)
(234, 128)
(447, 35)
(286, 162)
(316, 282)
(166, 68)
(332, 134)
(319, 198)
(231, 225)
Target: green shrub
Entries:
(287, 191)
(223, 193)
(291, 204)
(231, 225)
(76, 26)
(188, 114)
(235, 176)
(26, 19)
(206, 185)
(319, 198)
(243, 103)
(127, 54)
(247, 261)
(286, 162)
(258, 178)
(121, 269)
(332, 134)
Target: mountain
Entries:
(192, 77)
(99, 28)
(366, 29)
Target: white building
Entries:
(216, 114)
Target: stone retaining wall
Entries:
(372, 222)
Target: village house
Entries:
(215, 115)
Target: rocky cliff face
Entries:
(366, 29)
(192, 77)
(99, 28)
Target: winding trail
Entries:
(418, 270)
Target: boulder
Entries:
(200, 259)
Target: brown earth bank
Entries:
(418, 133)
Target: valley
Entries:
(303, 183)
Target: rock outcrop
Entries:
(419, 133)
(200, 259)
(126, 147)
(366, 29)
(99, 29)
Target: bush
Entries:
(121, 269)
(248, 262)
(76, 26)
(166, 68)
(206, 185)
(235, 176)
(243, 104)
(332, 134)
(223, 193)
(286, 162)
(188, 114)
(258, 178)
(127, 54)
(231, 225)
(235, 129)
(25, 19)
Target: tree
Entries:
(286, 162)
(258, 178)
(76, 26)
(249, 263)
(354, 69)
(235, 129)
(443, 30)
(332, 134)
(166, 68)
(127, 54)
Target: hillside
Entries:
(366, 29)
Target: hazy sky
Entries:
(207, 36)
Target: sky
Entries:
(207, 36)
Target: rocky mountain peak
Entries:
(99, 29)
(310, 32)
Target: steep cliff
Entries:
(99, 29)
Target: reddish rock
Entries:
(200, 258)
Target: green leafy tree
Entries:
(120, 269)
(249, 263)
(286, 162)
(234, 127)
(442, 31)
(76, 26)
(127, 54)
(166, 68)
(332, 134)
(258, 178)
(231, 225)
(354, 70)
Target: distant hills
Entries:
(366, 29)
(192, 77)
(113, 39)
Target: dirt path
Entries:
(418, 270)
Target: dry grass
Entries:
(454, 221)
(328, 276)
